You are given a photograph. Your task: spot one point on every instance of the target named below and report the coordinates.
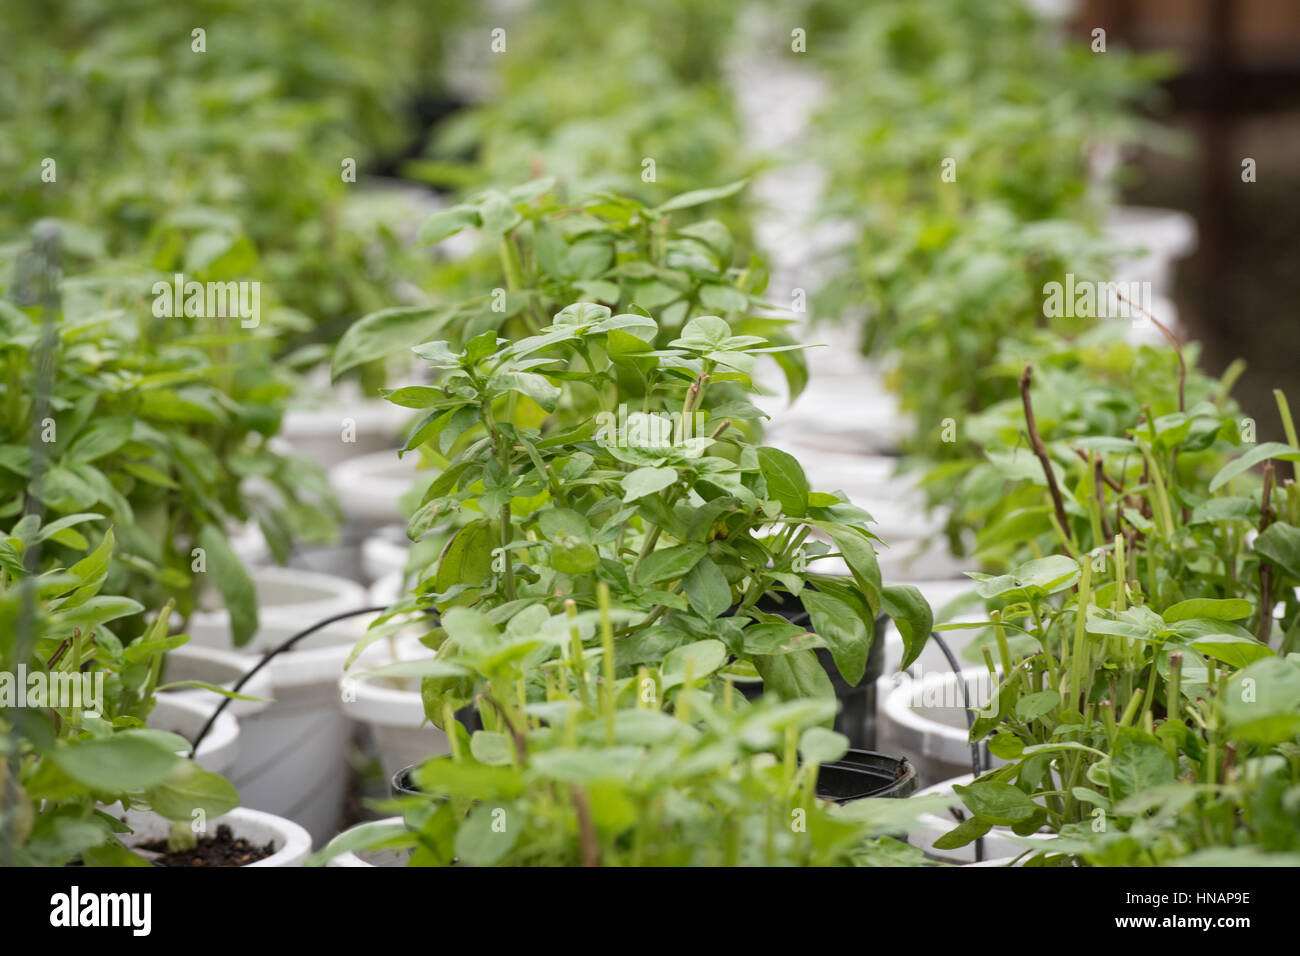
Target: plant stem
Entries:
(1265, 568)
(1026, 377)
(607, 662)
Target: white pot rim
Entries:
(930, 826)
(333, 595)
(368, 701)
(371, 415)
(219, 748)
(349, 858)
(292, 842)
(922, 735)
(233, 665)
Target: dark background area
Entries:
(1237, 95)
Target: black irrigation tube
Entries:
(970, 723)
(284, 646)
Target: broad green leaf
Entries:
(118, 763)
(233, 582)
(913, 617)
(843, 631)
(785, 480)
(996, 802)
(1233, 609)
(1280, 544)
(707, 589)
(190, 787)
(646, 481)
(384, 333)
(1138, 762)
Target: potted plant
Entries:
(575, 766)
(702, 536)
(76, 728)
(1124, 677)
(547, 251)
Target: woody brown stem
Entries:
(586, 831)
(1036, 440)
(1099, 489)
(1178, 350)
(1266, 569)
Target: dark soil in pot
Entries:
(224, 849)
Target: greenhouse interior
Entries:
(649, 433)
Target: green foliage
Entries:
(84, 746)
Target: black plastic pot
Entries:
(859, 774)
(403, 784)
(865, 773)
(857, 717)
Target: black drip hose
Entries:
(284, 646)
(970, 723)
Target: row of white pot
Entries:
(293, 756)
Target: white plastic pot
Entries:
(342, 424)
(1152, 240)
(370, 486)
(841, 413)
(385, 553)
(292, 843)
(294, 761)
(179, 715)
(925, 720)
(998, 849)
(224, 668)
(390, 709)
(373, 857)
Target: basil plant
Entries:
(75, 693)
(701, 535)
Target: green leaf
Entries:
(796, 676)
(1233, 609)
(1032, 706)
(1269, 449)
(1232, 648)
(101, 438)
(707, 589)
(646, 481)
(698, 197)
(785, 480)
(1040, 577)
(668, 564)
(843, 631)
(1262, 702)
(190, 787)
(968, 831)
(467, 559)
(1280, 545)
(707, 657)
(233, 582)
(537, 387)
(118, 763)
(1138, 762)
(912, 615)
(821, 746)
(447, 222)
(384, 333)
(996, 802)
(487, 835)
